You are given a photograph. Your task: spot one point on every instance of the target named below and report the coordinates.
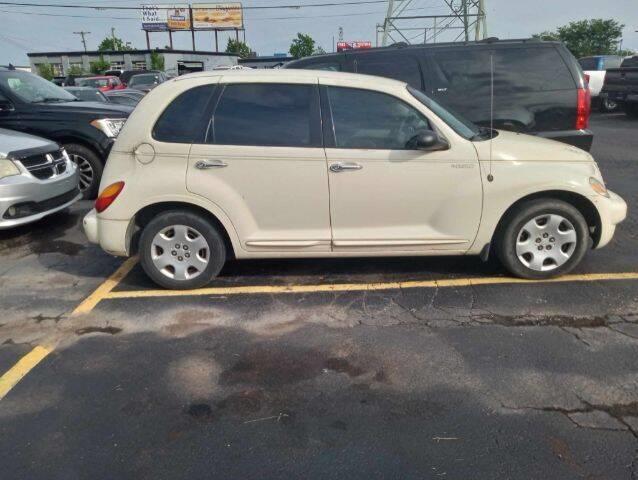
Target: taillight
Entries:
(587, 77)
(108, 196)
(583, 108)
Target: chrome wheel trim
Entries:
(180, 252)
(85, 171)
(610, 104)
(546, 242)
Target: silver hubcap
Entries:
(85, 170)
(546, 242)
(180, 252)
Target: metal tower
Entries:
(447, 20)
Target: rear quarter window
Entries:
(515, 70)
(531, 70)
(181, 121)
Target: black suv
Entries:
(539, 87)
(31, 104)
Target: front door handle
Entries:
(208, 164)
(340, 167)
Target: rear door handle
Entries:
(340, 167)
(208, 164)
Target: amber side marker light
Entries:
(108, 196)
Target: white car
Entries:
(294, 163)
(595, 70)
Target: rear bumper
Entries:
(578, 138)
(112, 235)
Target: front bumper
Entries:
(31, 199)
(612, 211)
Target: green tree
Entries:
(99, 66)
(46, 71)
(302, 46)
(319, 51)
(112, 43)
(240, 48)
(588, 37)
(157, 61)
(75, 70)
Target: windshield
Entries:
(460, 125)
(92, 95)
(144, 79)
(93, 82)
(33, 89)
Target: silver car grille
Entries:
(46, 165)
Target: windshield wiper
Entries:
(51, 100)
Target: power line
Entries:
(254, 7)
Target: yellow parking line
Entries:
(355, 287)
(20, 369)
(105, 288)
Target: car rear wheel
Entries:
(608, 106)
(543, 239)
(181, 250)
(89, 168)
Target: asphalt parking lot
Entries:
(363, 368)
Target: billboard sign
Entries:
(161, 18)
(178, 17)
(154, 18)
(341, 46)
(218, 16)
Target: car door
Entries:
(264, 164)
(385, 196)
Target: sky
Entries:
(271, 30)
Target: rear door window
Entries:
(372, 120)
(261, 114)
(404, 68)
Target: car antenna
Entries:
(490, 177)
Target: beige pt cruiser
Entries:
(293, 163)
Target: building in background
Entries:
(176, 62)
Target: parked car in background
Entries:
(621, 86)
(539, 87)
(126, 75)
(37, 178)
(103, 83)
(128, 96)
(87, 94)
(595, 69)
(145, 82)
(31, 104)
(289, 169)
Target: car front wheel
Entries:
(543, 239)
(181, 250)
(89, 168)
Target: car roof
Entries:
(99, 77)
(281, 75)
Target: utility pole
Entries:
(82, 34)
(113, 37)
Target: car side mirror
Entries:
(427, 140)
(6, 106)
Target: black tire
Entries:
(89, 163)
(607, 106)
(631, 109)
(214, 239)
(517, 219)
